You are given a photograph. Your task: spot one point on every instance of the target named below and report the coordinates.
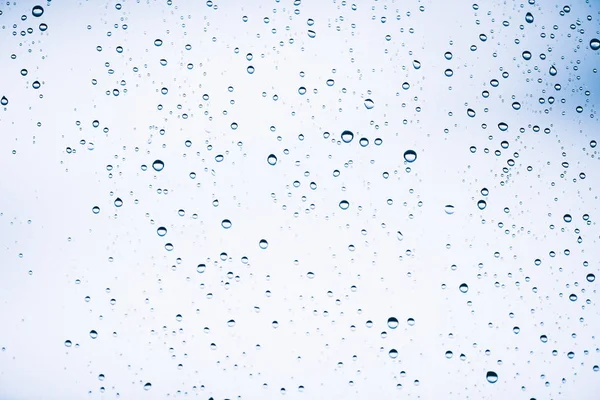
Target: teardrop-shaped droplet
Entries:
(529, 17)
(553, 70)
(4, 101)
(470, 112)
(503, 126)
(369, 104)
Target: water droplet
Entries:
(464, 288)
(330, 82)
(590, 277)
(529, 17)
(302, 90)
(393, 353)
(392, 323)
(118, 202)
(158, 165)
(491, 377)
(448, 72)
(470, 112)
(448, 55)
(43, 27)
(516, 105)
(503, 126)
(68, 343)
(594, 44)
(147, 386)
(567, 218)
(37, 11)
(263, 244)
(573, 297)
(4, 101)
(272, 159)
(161, 231)
(400, 236)
(416, 64)
(201, 268)
(226, 224)
(410, 321)
(93, 334)
(347, 136)
(158, 42)
(526, 55)
(231, 323)
(96, 209)
(250, 69)
(449, 354)
(344, 205)
(312, 34)
(369, 104)
(481, 204)
(410, 156)
(553, 71)
(449, 209)
(544, 338)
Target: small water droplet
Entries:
(590, 277)
(68, 343)
(344, 205)
(516, 105)
(4, 101)
(158, 165)
(470, 112)
(158, 42)
(449, 209)
(312, 34)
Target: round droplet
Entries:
(96, 209)
(393, 353)
(226, 224)
(68, 343)
(158, 42)
(529, 17)
(147, 386)
(503, 126)
(410, 156)
(526, 55)
(491, 377)
(573, 297)
(590, 277)
(449, 354)
(250, 69)
(344, 205)
(392, 323)
(330, 82)
(369, 104)
(448, 72)
(263, 244)
(516, 105)
(470, 112)
(448, 55)
(481, 204)
(93, 334)
(158, 165)
(4, 101)
(449, 209)
(161, 231)
(347, 136)
(37, 11)
(201, 268)
(302, 90)
(118, 202)
(312, 34)
(594, 44)
(464, 288)
(544, 338)
(567, 218)
(231, 323)
(272, 159)
(410, 321)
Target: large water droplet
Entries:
(347, 136)
(491, 377)
(590, 277)
(470, 112)
(158, 165)
(393, 353)
(147, 386)
(118, 202)
(481, 204)
(161, 231)
(503, 126)
(263, 244)
(529, 17)
(464, 288)
(594, 44)
(567, 218)
(392, 323)
(553, 71)
(369, 104)
(272, 159)
(526, 55)
(416, 64)
(344, 205)
(449, 209)
(226, 224)
(410, 156)
(93, 334)
(37, 11)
